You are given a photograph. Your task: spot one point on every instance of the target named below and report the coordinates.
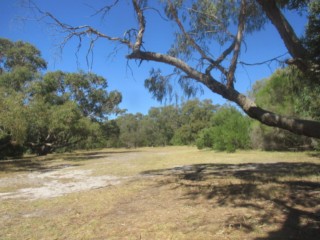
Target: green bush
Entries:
(229, 131)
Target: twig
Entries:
(263, 62)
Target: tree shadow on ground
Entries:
(29, 165)
(314, 154)
(285, 194)
(95, 155)
(50, 162)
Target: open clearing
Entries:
(161, 193)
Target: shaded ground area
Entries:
(286, 193)
(161, 193)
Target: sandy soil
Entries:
(55, 183)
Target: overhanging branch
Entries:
(298, 126)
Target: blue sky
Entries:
(126, 77)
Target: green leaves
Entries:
(13, 123)
(194, 116)
(312, 38)
(158, 85)
(20, 54)
(53, 111)
(229, 131)
(87, 90)
(290, 92)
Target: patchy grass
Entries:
(164, 193)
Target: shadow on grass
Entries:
(315, 154)
(93, 155)
(50, 162)
(285, 193)
(27, 165)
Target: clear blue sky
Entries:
(127, 77)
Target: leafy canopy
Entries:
(45, 112)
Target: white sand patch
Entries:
(58, 183)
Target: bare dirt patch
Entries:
(40, 179)
(55, 183)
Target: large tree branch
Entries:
(237, 45)
(142, 25)
(80, 31)
(290, 39)
(298, 126)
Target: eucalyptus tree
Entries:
(200, 26)
(20, 63)
(282, 92)
(194, 116)
(87, 90)
(229, 131)
(165, 121)
(49, 111)
(132, 132)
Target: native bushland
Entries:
(48, 111)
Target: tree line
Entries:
(217, 127)
(208, 41)
(43, 112)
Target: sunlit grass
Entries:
(170, 193)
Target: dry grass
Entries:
(168, 193)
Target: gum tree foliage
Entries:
(168, 125)
(46, 112)
(283, 92)
(132, 132)
(229, 131)
(13, 125)
(19, 64)
(161, 124)
(200, 28)
(194, 115)
(154, 129)
(312, 38)
(87, 90)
